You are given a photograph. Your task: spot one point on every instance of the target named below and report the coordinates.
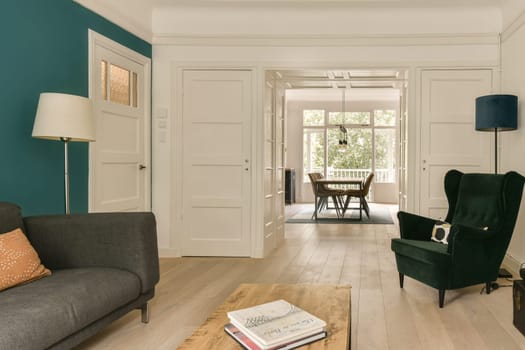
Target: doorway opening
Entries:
(346, 124)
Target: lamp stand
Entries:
(496, 151)
(66, 173)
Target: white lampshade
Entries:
(64, 116)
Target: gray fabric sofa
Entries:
(103, 266)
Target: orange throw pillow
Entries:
(19, 262)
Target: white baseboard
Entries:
(512, 265)
(509, 262)
(168, 253)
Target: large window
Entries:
(313, 141)
(371, 137)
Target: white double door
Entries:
(448, 136)
(216, 176)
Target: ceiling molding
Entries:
(326, 40)
(331, 3)
(513, 27)
(117, 18)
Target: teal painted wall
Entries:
(44, 48)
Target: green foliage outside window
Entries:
(359, 152)
(356, 155)
(384, 117)
(313, 117)
(359, 118)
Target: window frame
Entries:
(371, 125)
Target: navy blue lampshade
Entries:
(497, 112)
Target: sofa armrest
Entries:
(120, 240)
(412, 226)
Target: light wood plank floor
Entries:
(383, 315)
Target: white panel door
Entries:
(119, 159)
(448, 136)
(217, 109)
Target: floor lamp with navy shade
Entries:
(496, 113)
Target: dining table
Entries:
(338, 181)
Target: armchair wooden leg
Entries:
(441, 297)
(401, 279)
(487, 287)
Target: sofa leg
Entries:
(401, 279)
(441, 297)
(144, 310)
(487, 287)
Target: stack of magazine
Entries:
(275, 325)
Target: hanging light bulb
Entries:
(343, 137)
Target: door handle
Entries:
(142, 167)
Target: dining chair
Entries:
(360, 193)
(323, 193)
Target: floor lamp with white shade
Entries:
(65, 118)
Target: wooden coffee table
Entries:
(328, 302)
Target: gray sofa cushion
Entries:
(10, 217)
(38, 314)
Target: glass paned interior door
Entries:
(103, 79)
(119, 85)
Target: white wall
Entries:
(284, 39)
(513, 142)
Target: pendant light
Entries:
(343, 133)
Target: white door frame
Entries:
(95, 39)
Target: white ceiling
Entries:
(357, 3)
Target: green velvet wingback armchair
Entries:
(483, 209)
